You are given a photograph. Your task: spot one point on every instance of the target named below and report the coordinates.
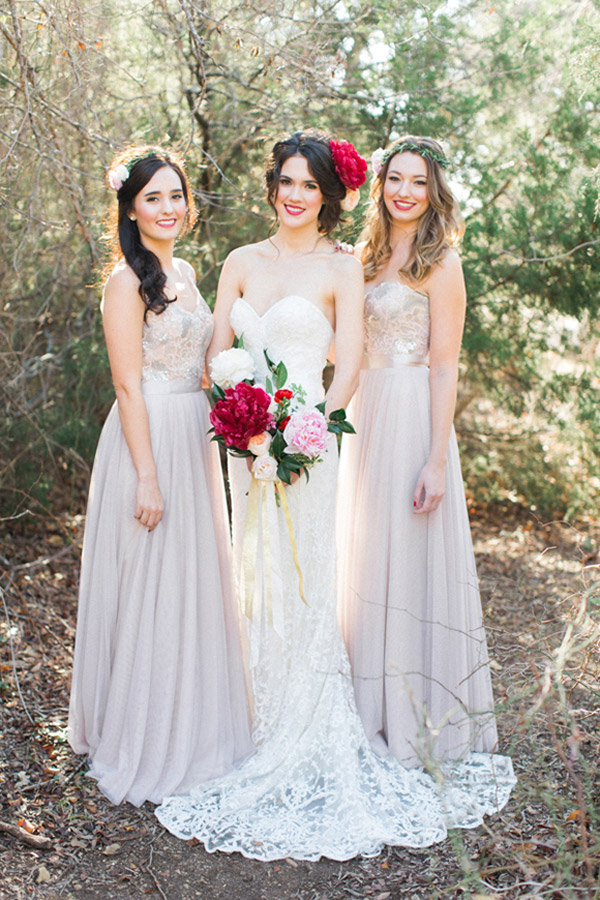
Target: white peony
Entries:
(264, 468)
(260, 443)
(230, 367)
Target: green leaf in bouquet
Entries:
(283, 473)
(299, 393)
(278, 445)
(269, 386)
(347, 427)
(218, 392)
(333, 428)
(280, 375)
(321, 407)
(338, 415)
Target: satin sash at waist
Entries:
(395, 361)
(184, 386)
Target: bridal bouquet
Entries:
(272, 424)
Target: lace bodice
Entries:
(397, 321)
(294, 331)
(174, 342)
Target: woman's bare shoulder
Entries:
(347, 264)
(121, 287)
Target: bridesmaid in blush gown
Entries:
(409, 603)
(158, 700)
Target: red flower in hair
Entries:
(349, 165)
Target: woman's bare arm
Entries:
(447, 300)
(123, 317)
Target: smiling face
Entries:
(405, 188)
(299, 199)
(160, 207)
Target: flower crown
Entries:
(119, 175)
(380, 157)
(351, 169)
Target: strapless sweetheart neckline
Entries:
(283, 300)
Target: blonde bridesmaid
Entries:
(408, 595)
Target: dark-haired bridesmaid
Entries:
(158, 700)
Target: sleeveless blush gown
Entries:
(408, 596)
(314, 787)
(159, 699)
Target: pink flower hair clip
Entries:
(118, 176)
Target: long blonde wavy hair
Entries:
(440, 227)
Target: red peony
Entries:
(283, 423)
(283, 394)
(243, 414)
(349, 165)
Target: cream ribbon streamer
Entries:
(260, 553)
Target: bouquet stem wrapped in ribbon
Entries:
(273, 426)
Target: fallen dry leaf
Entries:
(43, 875)
(112, 849)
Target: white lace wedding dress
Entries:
(315, 787)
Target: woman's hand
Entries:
(431, 487)
(149, 503)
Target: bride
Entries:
(314, 787)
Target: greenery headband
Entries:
(380, 157)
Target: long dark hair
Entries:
(314, 147)
(142, 163)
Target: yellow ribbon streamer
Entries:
(249, 549)
(267, 553)
(280, 491)
(257, 498)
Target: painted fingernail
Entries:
(414, 502)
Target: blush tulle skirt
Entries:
(158, 697)
(409, 602)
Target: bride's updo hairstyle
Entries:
(314, 146)
(440, 227)
(130, 172)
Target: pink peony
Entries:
(242, 415)
(306, 433)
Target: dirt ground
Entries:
(542, 605)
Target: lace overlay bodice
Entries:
(174, 343)
(397, 321)
(293, 330)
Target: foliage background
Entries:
(513, 91)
